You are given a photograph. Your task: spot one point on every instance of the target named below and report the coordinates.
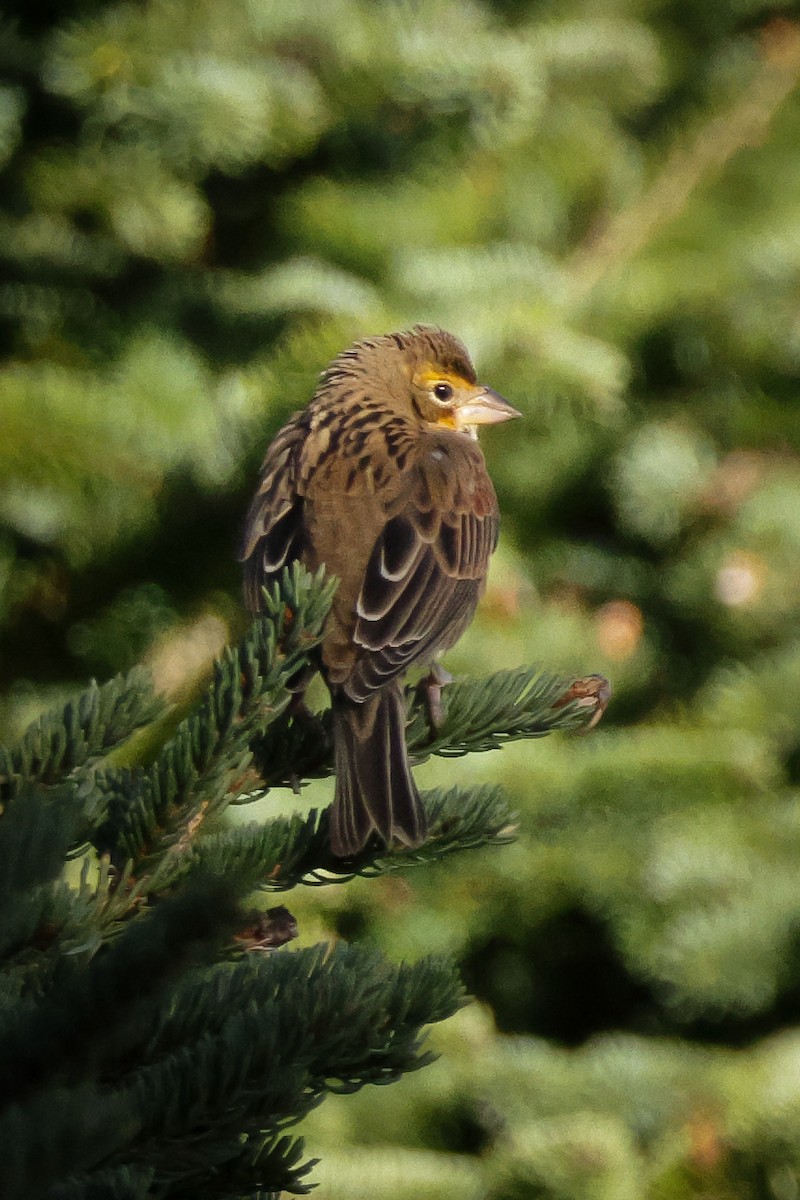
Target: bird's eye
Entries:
(443, 391)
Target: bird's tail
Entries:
(374, 786)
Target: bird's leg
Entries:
(298, 686)
(430, 689)
(298, 710)
(297, 706)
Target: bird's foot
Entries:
(430, 689)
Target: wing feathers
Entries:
(399, 548)
(375, 630)
(273, 533)
(424, 574)
(426, 570)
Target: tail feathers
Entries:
(374, 786)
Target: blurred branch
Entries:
(691, 165)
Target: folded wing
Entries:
(274, 525)
(427, 569)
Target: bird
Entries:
(381, 480)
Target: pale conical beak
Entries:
(487, 407)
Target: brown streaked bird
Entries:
(381, 480)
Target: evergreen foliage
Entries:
(201, 203)
(149, 1043)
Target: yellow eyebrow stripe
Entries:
(429, 374)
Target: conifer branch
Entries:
(51, 1142)
(159, 808)
(121, 1183)
(272, 1164)
(279, 854)
(256, 1045)
(36, 833)
(126, 1048)
(483, 714)
(79, 733)
(101, 1003)
(479, 714)
(238, 1053)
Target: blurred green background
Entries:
(201, 203)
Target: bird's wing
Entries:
(427, 568)
(274, 524)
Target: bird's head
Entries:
(444, 387)
(427, 373)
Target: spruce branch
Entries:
(159, 808)
(90, 1013)
(280, 854)
(268, 1167)
(122, 1183)
(255, 1045)
(478, 715)
(158, 1053)
(237, 1053)
(85, 729)
(310, 984)
(62, 1132)
(483, 714)
(36, 833)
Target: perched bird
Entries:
(381, 479)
